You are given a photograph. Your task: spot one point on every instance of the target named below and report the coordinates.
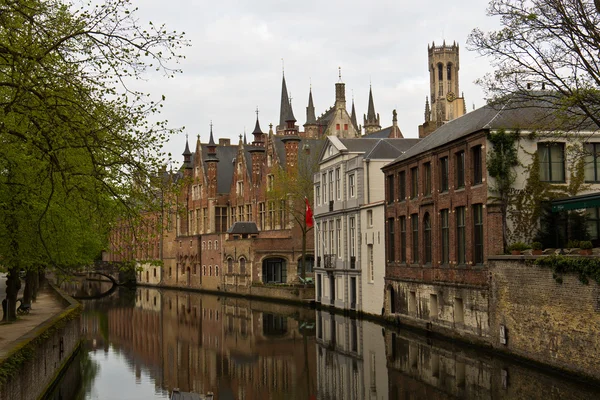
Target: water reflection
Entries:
(141, 344)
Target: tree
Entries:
(294, 184)
(546, 50)
(73, 131)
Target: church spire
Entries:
(353, 117)
(310, 110)
(371, 120)
(187, 154)
(285, 109)
(427, 110)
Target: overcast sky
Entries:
(234, 63)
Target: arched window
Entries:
(427, 237)
(209, 245)
(204, 270)
(449, 71)
(216, 244)
(229, 266)
(243, 266)
(216, 270)
(440, 72)
(203, 244)
(210, 270)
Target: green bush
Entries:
(585, 245)
(536, 246)
(518, 246)
(573, 244)
(585, 267)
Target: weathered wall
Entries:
(546, 321)
(46, 350)
(459, 310)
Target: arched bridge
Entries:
(116, 273)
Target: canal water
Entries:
(142, 343)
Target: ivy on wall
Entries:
(523, 208)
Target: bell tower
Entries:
(446, 103)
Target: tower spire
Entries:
(371, 120)
(310, 110)
(285, 107)
(353, 116)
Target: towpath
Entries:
(44, 308)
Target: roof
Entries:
(532, 115)
(375, 148)
(382, 134)
(243, 228)
(224, 154)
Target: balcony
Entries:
(329, 261)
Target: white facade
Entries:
(349, 216)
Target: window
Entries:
(414, 179)
(592, 162)
(338, 184)
(216, 244)
(324, 183)
(369, 218)
(205, 220)
(449, 71)
(331, 244)
(337, 127)
(390, 189)
(415, 237)
(345, 127)
(338, 236)
(403, 239)
(592, 221)
(230, 266)
(552, 162)
(216, 270)
(478, 233)
(271, 206)
(460, 169)
(460, 235)
(331, 185)
(274, 271)
(240, 188)
(370, 265)
(427, 179)
(317, 194)
(282, 214)
(427, 237)
(243, 266)
(220, 219)
(261, 216)
(402, 186)
(444, 174)
(352, 237)
(391, 240)
(270, 182)
(445, 236)
(351, 184)
(477, 166)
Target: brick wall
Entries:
(50, 355)
(552, 323)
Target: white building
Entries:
(349, 215)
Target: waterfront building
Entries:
(348, 212)
(443, 218)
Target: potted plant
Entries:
(517, 248)
(586, 248)
(536, 248)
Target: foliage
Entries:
(501, 161)
(536, 246)
(518, 246)
(573, 244)
(550, 44)
(586, 268)
(585, 245)
(78, 141)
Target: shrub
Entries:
(586, 268)
(518, 246)
(573, 244)
(536, 246)
(585, 245)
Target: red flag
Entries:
(309, 214)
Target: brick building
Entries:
(443, 219)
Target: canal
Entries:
(142, 343)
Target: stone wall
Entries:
(40, 355)
(549, 322)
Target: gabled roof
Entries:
(389, 149)
(533, 115)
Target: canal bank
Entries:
(49, 336)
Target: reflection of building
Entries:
(349, 195)
(232, 346)
(351, 359)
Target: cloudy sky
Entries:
(234, 63)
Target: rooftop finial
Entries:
(282, 67)
(256, 112)
(340, 74)
(310, 83)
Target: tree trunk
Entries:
(28, 291)
(36, 285)
(13, 284)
